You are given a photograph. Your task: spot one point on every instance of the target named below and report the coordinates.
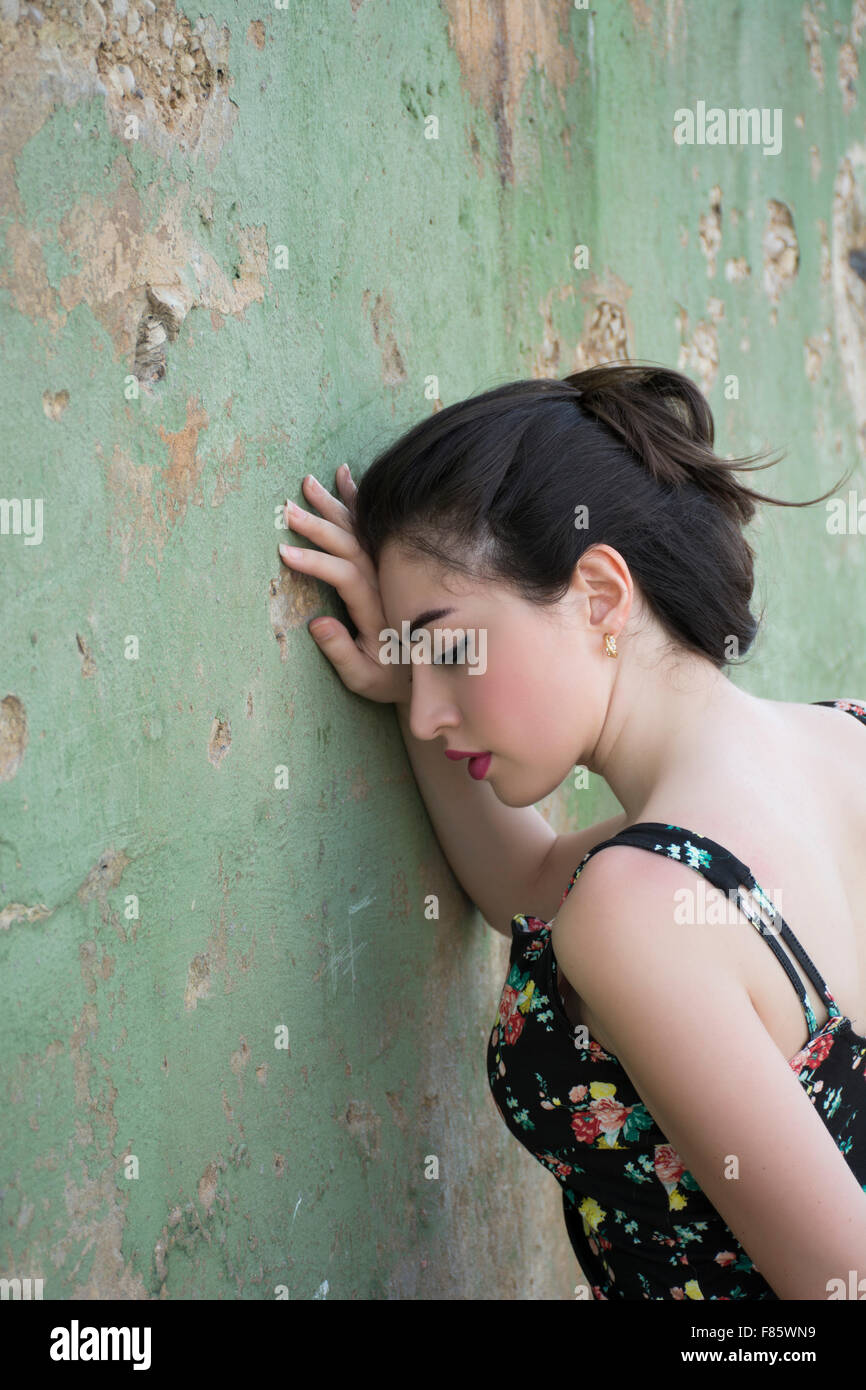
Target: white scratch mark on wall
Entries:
(356, 907)
(342, 961)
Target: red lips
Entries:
(478, 762)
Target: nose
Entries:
(429, 714)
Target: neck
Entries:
(661, 728)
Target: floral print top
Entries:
(638, 1222)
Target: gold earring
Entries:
(610, 644)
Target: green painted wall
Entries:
(231, 254)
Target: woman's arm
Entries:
(496, 852)
(507, 859)
(682, 1024)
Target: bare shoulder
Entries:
(623, 879)
(655, 992)
(835, 735)
(628, 903)
(843, 713)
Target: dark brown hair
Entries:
(488, 487)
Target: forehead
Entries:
(416, 590)
(408, 580)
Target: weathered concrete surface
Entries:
(232, 254)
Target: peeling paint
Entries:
(817, 350)
(847, 73)
(145, 516)
(812, 37)
(207, 1186)
(175, 386)
(381, 317)
(699, 350)
(294, 598)
(14, 736)
(549, 355)
(198, 981)
(737, 268)
(781, 251)
(848, 289)
(168, 307)
(607, 333)
(173, 77)
(88, 665)
(675, 22)
(181, 476)
(54, 403)
(256, 33)
(710, 230)
(105, 875)
(497, 43)
(826, 254)
(238, 1062)
(229, 474)
(213, 962)
(96, 1206)
(20, 912)
(220, 741)
(137, 281)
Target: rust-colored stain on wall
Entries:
(167, 903)
(497, 42)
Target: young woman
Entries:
(705, 1120)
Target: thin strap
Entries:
(727, 873)
(855, 707)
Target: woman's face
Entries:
(537, 699)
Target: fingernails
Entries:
(291, 552)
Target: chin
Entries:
(517, 798)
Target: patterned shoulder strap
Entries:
(855, 707)
(731, 876)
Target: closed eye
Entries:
(447, 658)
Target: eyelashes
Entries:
(448, 657)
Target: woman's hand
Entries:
(344, 564)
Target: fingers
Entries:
(360, 597)
(345, 482)
(335, 512)
(351, 665)
(331, 535)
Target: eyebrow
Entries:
(428, 617)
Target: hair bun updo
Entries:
(491, 487)
(665, 421)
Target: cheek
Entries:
(490, 697)
(514, 699)
(543, 706)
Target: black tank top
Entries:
(638, 1222)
